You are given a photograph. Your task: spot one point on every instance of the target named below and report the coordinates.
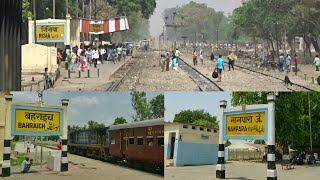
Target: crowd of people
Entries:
(85, 56)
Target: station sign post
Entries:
(34, 119)
(252, 122)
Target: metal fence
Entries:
(244, 154)
(43, 84)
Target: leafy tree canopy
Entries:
(119, 120)
(196, 117)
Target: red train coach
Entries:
(139, 143)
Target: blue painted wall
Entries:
(195, 154)
(167, 148)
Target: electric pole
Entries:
(34, 21)
(54, 9)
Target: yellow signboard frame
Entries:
(96, 28)
(33, 121)
(50, 32)
(246, 125)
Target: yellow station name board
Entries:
(50, 32)
(96, 27)
(36, 121)
(250, 124)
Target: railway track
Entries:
(203, 82)
(295, 87)
(131, 71)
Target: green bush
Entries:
(13, 145)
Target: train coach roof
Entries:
(151, 122)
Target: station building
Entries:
(186, 144)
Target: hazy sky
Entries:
(175, 102)
(156, 21)
(83, 107)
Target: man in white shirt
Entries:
(95, 56)
(177, 53)
(103, 54)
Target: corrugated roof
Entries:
(151, 122)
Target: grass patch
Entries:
(13, 145)
(18, 160)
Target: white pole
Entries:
(54, 9)
(220, 168)
(271, 158)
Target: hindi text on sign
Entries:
(36, 121)
(249, 124)
(50, 32)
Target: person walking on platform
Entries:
(194, 57)
(317, 62)
(95, 56)
(220, 67)
(89, 56)
(296, 59)
(119, 51)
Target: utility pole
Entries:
(82, 17)
(34, 21)
(310, 121)
(54, 9)
(67, 5)
(77, 8)
(90, 18)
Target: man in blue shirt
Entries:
(26, 164)
(220, 67)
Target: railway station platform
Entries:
(97, 80)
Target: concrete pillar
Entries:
(2, 122)
(68, 33)
(6, 164)
(271, 158)
(220, 167)
(64, 138)
(30, 34)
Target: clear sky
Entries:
(84, 106)
(177, 101)
(156, 21)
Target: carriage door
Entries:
(124, 140)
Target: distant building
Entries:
(190, 145)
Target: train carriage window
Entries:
(112, 140)
(131, 140)
(149, 140)
(160, 140)
(140, 140)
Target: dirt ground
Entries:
(80, 168)
(151, 78)
(241, 170)
(244, 80)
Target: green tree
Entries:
(141, 106)
(94, 125)
(119, 120)
(196, 117)
(26, 10)
(157, 106)
(126, 7)
(228, 143)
